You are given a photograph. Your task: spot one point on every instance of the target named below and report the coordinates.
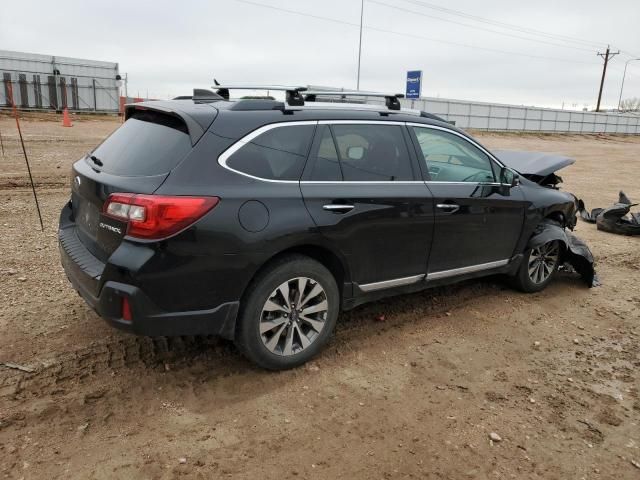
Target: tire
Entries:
(538, 267)
(277, 334)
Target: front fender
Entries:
(576, 252)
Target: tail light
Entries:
(153, 217)
(126, 310)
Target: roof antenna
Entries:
(223, 92)
(201, 95)
(24, 151)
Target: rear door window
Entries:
(277, 154)
(324, 165)
(370, 152)
(147, 144)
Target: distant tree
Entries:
(630, 105)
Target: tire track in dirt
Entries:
(119, 353)
(114, 354)
(99, 358)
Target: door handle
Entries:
(448, 207)
(338, 208)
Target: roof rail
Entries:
(391, 99)
(293, 96)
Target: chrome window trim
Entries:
(224, 156)
(462, 270)
(488, 184)
(396, 282)
(359, 182)
(471, 141)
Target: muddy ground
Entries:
(410, 387)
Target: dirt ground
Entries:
(410, 387)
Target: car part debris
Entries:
(613, 219)
(576, 252)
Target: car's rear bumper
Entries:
(85, 272)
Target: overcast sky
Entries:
(169, 47)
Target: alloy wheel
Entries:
(293, 316)
(543, 261)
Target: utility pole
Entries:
(360, 44)
(608, 55)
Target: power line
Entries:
(410, 35)
(629, 54)
(479, 27)
(517, 28)
(506, 25)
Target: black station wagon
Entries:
(260, 220)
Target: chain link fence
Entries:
(57, 92)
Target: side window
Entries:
(277, 154)
(323, 161)
(450, 158)
(372, 152)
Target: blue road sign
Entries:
(414, 84)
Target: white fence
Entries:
(518, 118)
(492, 116)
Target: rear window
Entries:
(149, 143)
(277, 154)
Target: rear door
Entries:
(477, 220)
(137, 158)
(362, 190)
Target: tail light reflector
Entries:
(154, 217)
(126, 309)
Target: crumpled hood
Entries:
(539, 164)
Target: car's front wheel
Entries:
(538, 267)
(288, 314)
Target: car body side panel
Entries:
(486, 227)
(387, 235)
(543, 203)
(219, 255)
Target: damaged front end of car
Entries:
(541, 168)
(576, 253)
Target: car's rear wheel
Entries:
(539, 266)
(288, 314)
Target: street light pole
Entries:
(360, 44)
(624, 75)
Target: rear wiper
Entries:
(96, 160)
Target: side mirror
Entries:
(509, 177)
